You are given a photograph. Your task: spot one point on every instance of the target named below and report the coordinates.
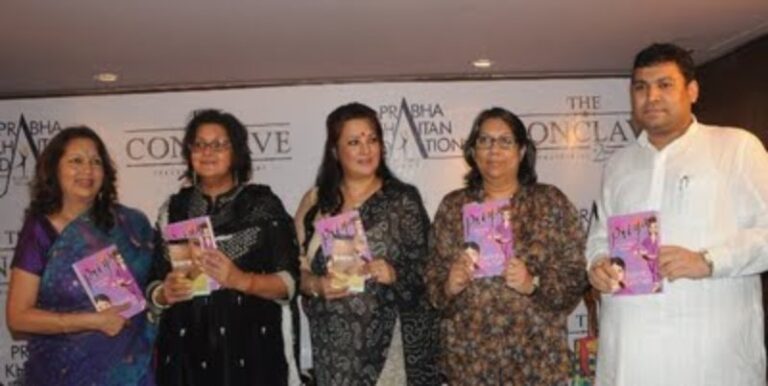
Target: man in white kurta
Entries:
(710, 187)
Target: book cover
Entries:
(108, 281)
(634, 247)
(186, 240)
(345, 246)
(488, 236)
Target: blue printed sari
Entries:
(90, 357)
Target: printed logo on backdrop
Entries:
(13, 368)
(161, 148)
(415, 131)
(583, 132)
(21, 141)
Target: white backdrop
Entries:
(576, 124)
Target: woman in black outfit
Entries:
(244, 333)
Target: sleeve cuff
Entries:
(595, 257)
(721, 266)
(290, 285)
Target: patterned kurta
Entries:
(351, 336)
(491, 334)
(229, 338)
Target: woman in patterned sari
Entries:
(509, 329)
(385, 335)
(74, 213)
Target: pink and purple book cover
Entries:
(344, 243)
(108, 282)
(195, 228)
(634, 247)
(488, 236)
(185, 241)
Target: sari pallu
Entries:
(90, 357)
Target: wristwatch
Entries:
(708, 260)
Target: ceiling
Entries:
(56, 47)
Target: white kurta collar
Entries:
(679, 143)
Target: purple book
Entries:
(186, 239)
(488, 236)
(108, 281)
(634, 244)
(345, 246)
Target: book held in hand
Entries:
(488, 236)
(108, 282)
(634, 247)
(345, 247)
(186, 240)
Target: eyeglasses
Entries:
(215, 146)
(486, 142)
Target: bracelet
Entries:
(153, 297)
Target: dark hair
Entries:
(471, 245)
(618, 261)
(658, 53)
(330, 174)
(526, 173)
(238, 139)
(46, 194)
(343, 237)
(102, 298)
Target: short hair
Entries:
(102, 298)
(238, 138)
(471, 245)
(330, 174)
(342, 237)
(526, 173)
(658, 53)
(618, 261)
(45, 191)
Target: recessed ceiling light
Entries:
(482, 63)
(106, 77)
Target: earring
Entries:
(237, 180)
(194, 179)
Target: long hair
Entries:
(330, 174)
(238, 138)
(526, 173)
(45, 189)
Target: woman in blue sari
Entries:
(74, 213)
